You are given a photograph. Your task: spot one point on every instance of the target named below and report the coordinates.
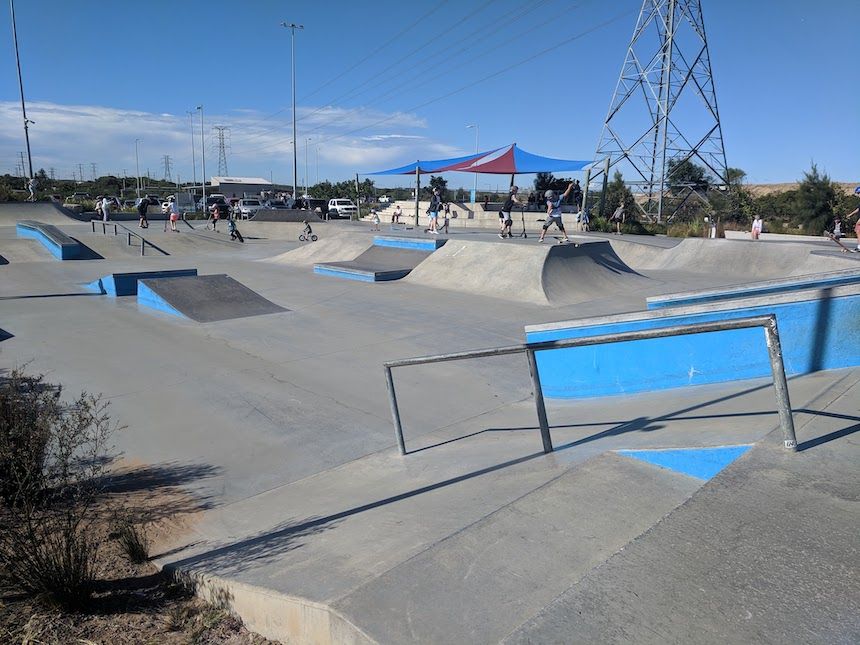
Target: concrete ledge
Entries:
(420, 244)
(767, 287)
(363, 275)
(125, 284)
(58, 243)
(817, 329)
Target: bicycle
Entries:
(308, 238)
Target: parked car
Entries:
(129, 203)
(276, 204)
(385, 199)
(211, 200)
(247, 208)
(342, 208)
(79, 197)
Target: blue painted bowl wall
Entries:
(815, 335)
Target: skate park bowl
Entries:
(766, 287)
(58, 243)
(390, 258)
(203, 298)
(549, 274)
(817, 325)
(125, 284)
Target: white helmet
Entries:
(549, 194)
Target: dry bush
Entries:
(54, 456)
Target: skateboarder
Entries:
(173, 210)
(553, 212)
(142, 207)
(234, 232)
(433, 211)
(505, 218)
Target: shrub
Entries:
(133, 540)
(55, 456)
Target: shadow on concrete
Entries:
(3, 260)
(87, 253)
(50, 295)
(5, 335)
(259, 549)
(821, 330)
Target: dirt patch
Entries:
(131, 603)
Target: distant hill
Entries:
(767, 189)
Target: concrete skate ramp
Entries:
(545, 274)
(205, 298)
(376, 264)
(48, 212)
(733, 258)
(337, 248)
(277, 215)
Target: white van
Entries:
(343, 208)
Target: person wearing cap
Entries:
(553, 212)
(433, 211)
(505, 219)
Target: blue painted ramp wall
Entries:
(817, 332)
(125, 284)
(68, 249)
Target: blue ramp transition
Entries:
(701, 463)
(125, 284)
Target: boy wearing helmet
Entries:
(505, 220)
(433, 211)
(553, 212)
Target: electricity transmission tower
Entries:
(663, 116)
(165, 160)
(223, 144)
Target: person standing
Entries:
(553, 212)
(433, 211)
(755, 231)
(142, 208)
(857, 231)
(173, 207)
(216, 215)
(505, 217)
(106, 204)
(31, 186)
(577, 196)
(618, 218)
(374, 217)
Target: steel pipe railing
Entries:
(768, 322)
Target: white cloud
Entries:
(63, 136)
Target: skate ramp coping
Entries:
(543, 274)
(817, 326)
(390, 258)
(204, 298)
(58, 243)
(125, 284)
(763, 288)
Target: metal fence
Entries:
(768, 322)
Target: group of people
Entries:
(835, 233)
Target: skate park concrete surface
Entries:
(316, 529)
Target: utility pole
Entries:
(203, 156)
(193, 159)
(51, 173)
(165, 160)
(223, 143)
(81, 171)
(93, 168)
(23, 167)
(292, 27)
(642, 136)
(137, 165)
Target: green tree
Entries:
(683, 175)
(617, 193)
(547, 181)
(814, 202)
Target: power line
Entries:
(165, 160)
(222, 148)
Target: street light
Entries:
(193, 155)
(27, 121)
(292, 27)
(307, 177)
(137, 164)
(203, 157)
(475, 187)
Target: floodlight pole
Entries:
(417, 188)
(203, 158)
(27, 122)
(193, 154)
(137, 165)
(292, 27)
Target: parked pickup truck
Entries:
(342, 208)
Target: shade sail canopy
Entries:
(508, 160)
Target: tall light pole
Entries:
(193, 155)
(318, 163)
(475, 187)
(307, 177)
(137, 164)
(292, 27)
(203, 157)
(27, 122)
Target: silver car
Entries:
(248, 207)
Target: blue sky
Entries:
(382, 83)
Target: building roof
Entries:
(241, 180)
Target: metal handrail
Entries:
(767, 321)
(129, 233)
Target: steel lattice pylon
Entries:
(664, 109)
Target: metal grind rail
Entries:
(771, 339)
(129, 233)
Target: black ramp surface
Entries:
(384, 258)
(210, 298)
